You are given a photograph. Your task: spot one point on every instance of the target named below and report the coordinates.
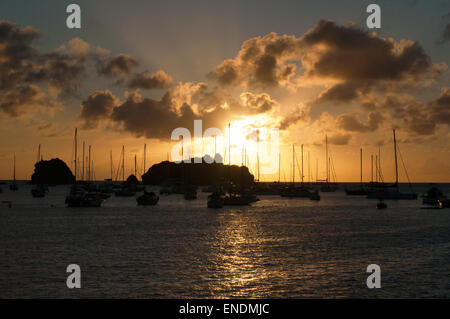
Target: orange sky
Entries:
(309, 79)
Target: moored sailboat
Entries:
(147, 199)
(391, 192)
(361, 190)
(79, 195)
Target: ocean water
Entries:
(276, 248)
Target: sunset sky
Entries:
(139, 69)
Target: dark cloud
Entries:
(339, 139)
(16, 53)
(150, 81)
(440, 108)
(350, 122)
(119, 66)
(179, 107)
(301, 114)
(257, 103)
(424, 118)
(158, 118)
(24, 69)
(445, 36)
(96, 107)
(342, 92)
(261, 62)
(349, 53)
(18, 101)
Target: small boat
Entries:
(125, 192)
(360, 191)
(444, 203)
(432, 196)
(381, 205)
(215, 200)
(39, 191)
(314, 195)
(190, 193)
(293, 191)
(235, 199)
(79, 197)
(147, 199)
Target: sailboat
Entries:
(126, 190)
(13, 186)
(393, 191)
(79, 195)
(361, 190)
(298, 191)
(147, 199)
(328, 187)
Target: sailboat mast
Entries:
(76, 153)
(376, 168)
(379, 164)
(279, 167)
(326, 154)
(111, 164)
(123, 163)
(229, 144)
(396, 166)
(371, 168)
(360, 156)
(145, 156)
(293, 164)
(309, 167)
(302, 166)
(14, 173)
(82, 172)
(135, 173)
(317, 169)
(90, 167)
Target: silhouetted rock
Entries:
(52, 172)
(197, 173)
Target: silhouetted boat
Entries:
(39, 191)
(190, 192)
(236, 199)
(79, 196)
(361, 189)
(432, 196)
(328, 187)
(444, 203)
(147, 199)
(215, 200)
(294, 191)
(381, 205)
(391, 192)
(125, 192)
(314, 195)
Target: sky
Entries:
(137, 70)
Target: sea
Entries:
(275, 248)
